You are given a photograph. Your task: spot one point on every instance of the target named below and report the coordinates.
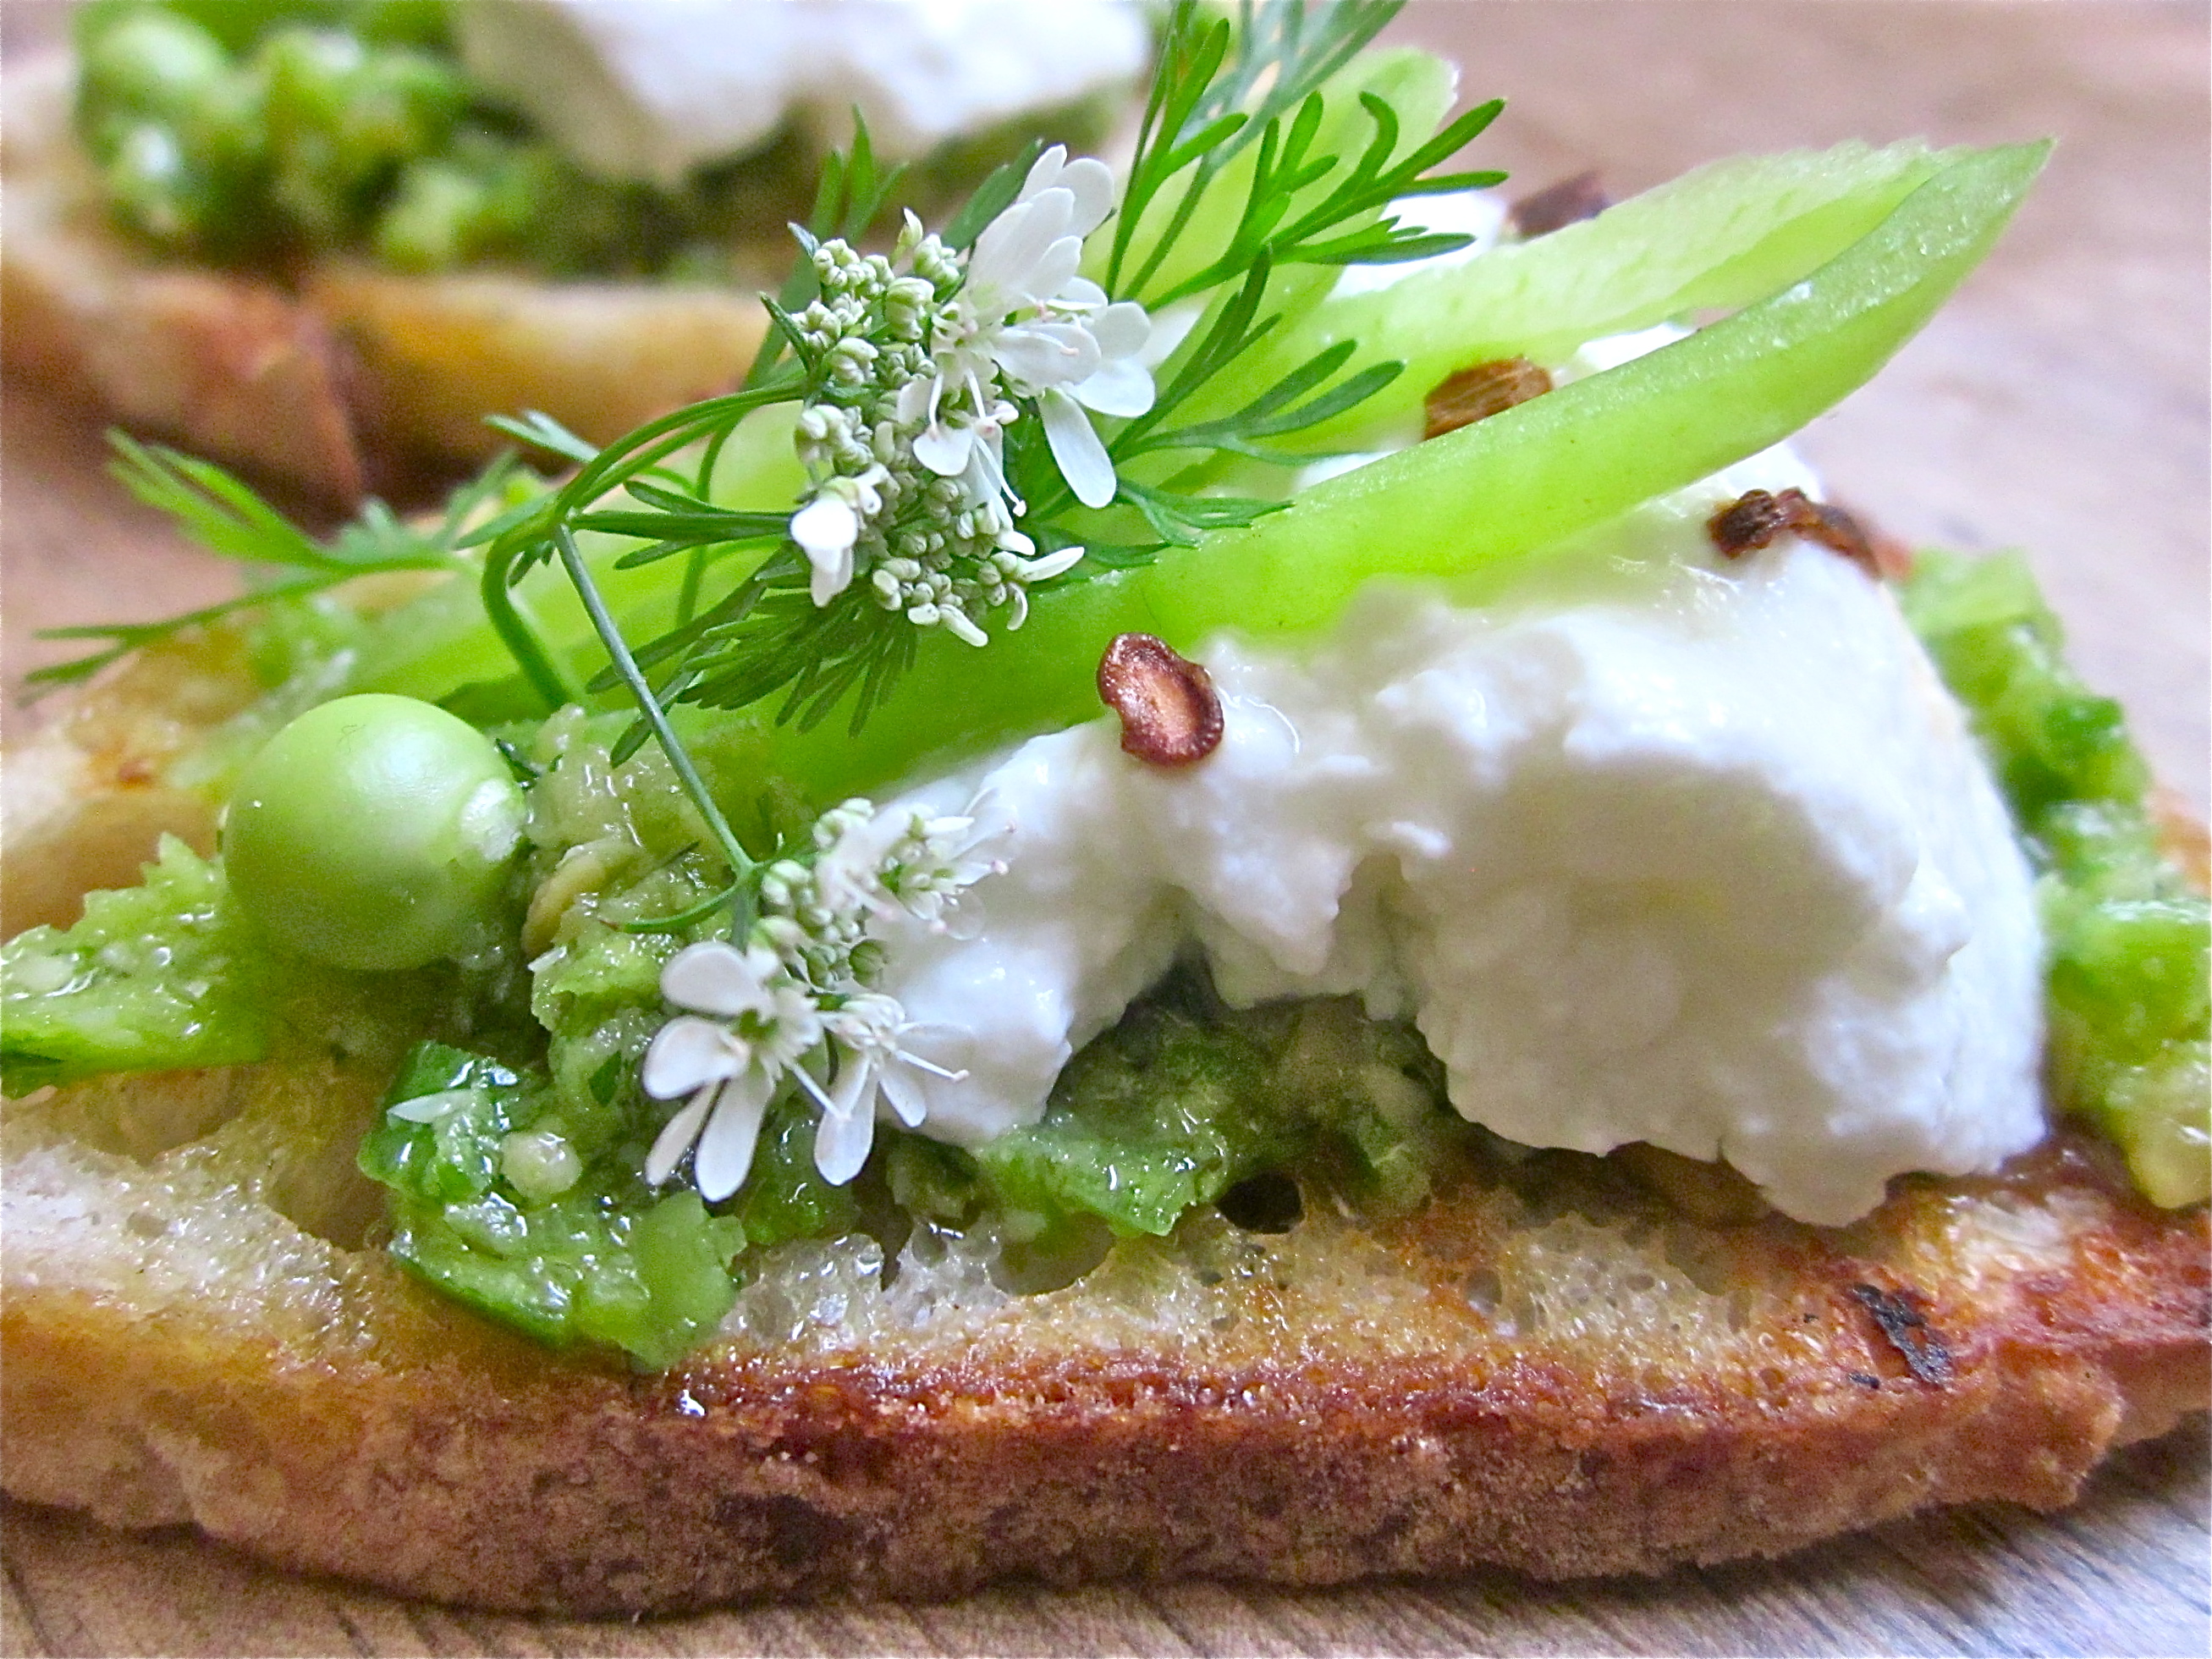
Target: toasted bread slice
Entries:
(356, 379)
(1549, 1367)
(1563, 1363)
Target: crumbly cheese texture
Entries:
(1662, 846)
(651, 88)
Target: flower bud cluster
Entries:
(815, 907)
(942, 550)
(815, 935)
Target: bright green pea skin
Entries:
(152, 63)
(374, 832)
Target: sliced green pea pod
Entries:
(1719, 237)
(1483, 498)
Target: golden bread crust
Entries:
(1272, 1426)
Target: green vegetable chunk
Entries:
(158, 977)
(1184, 1099)
(151, 63)
(600, 1259)
(374, 832)
(2130, 943)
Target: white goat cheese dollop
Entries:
(1655, 846)
(651, 88)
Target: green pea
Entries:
(435, 218)
(152, 63)
(151, 182)
(374, 832)
(309, 73)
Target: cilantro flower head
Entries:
(792, 1008)
(919, 361)
(1050, 333)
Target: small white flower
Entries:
(730, 1112)
(885, 1057)
(1049, 331)
(826, 528)
(758, 1024)
(717, 978)
(1076, 448)
(896, 861)
(1045, 566)
(1029, 253)
(969, 443)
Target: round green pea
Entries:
(151, 182)
(374, 832)
(154, 63)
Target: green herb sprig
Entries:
(1220, 86)
(223, 514)
(751, 621)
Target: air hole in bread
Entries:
(140, 1115)
(1054, 1261)
(291, 1141)
(1268, 1202)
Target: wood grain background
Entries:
(2060, 404)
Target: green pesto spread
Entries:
(515, 1157)
(258, 135)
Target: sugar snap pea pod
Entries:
(1726, 235)
(1485, 496)
(1714, 238)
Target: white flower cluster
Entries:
(792, 1005)
(926, 358)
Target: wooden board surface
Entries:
(2060, 405)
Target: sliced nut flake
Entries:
(1482, 390)
(1170, 713)
(1757, 518)
(1557, 206)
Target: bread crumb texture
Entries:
(1549, 1367)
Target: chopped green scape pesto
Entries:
(156, 976)
(1185, 1099)
(604, 1259)
(2128, 941)
(253, 134)
(1180, 1102)
(168, 975)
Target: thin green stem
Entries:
(687, 597)
(648, 705)
(538, 665)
